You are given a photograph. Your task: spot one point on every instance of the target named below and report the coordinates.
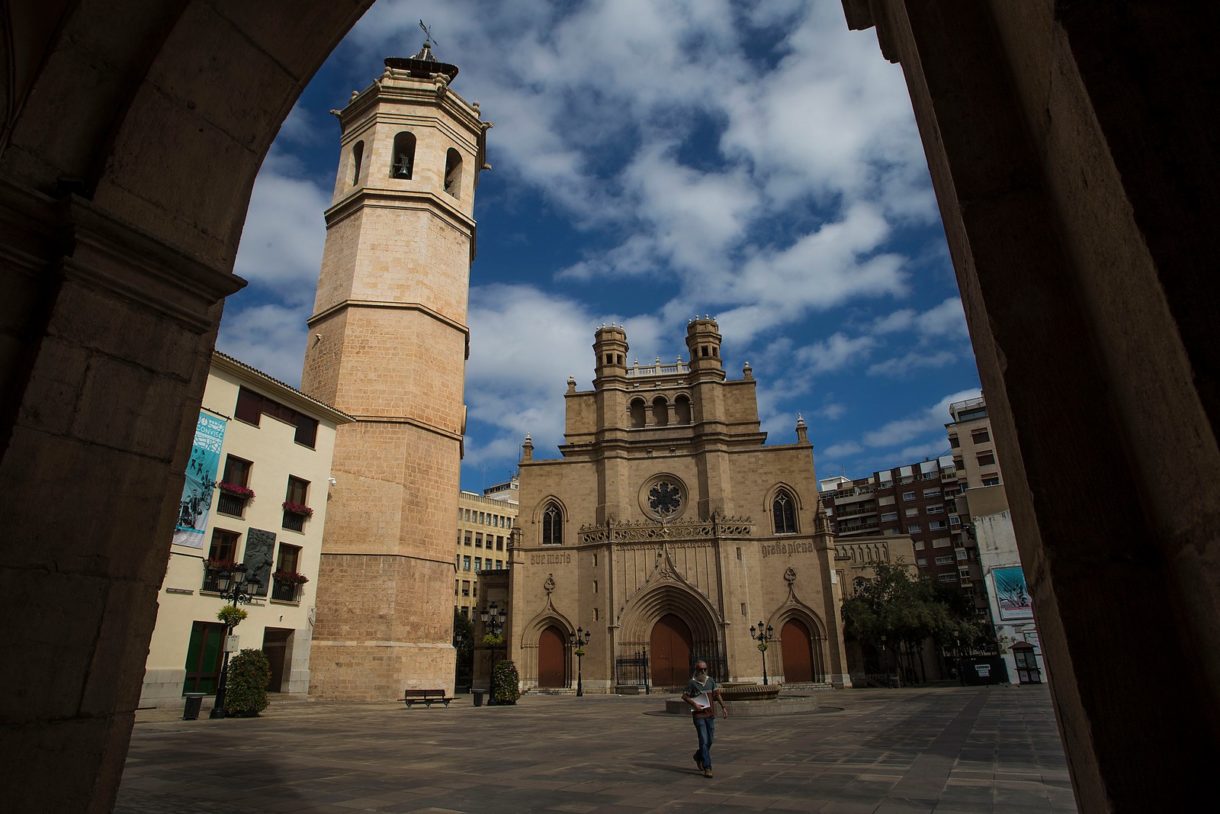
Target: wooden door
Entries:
(797, 647)
(670, 645)
(552, 648)
(275, 646)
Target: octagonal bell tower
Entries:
(387, 344)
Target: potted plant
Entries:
(235, 489)
(246, 688)
(288, 584)
(505, 683)
(231, 615)
(297, 508)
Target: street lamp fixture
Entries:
(578, 640)
(238, 587)
(763, 635)
(494, 618)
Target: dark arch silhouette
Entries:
(1066, 231)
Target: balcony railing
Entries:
(294, 521)
(284, 591)
(234, 505)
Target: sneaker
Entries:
(699, 761)
(707, 772)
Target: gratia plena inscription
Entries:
(777, 549)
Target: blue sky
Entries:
(653, 160)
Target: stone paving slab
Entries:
(938, 751)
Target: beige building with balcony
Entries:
(667, 529)
(256, 494)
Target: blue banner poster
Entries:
(1012, 594)
(196, 500)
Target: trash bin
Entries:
(478, 697)
(194, 700)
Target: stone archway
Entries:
(1064, 145)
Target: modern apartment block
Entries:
(987, 524)
(918, 500)
(484, 524)
(974, 455)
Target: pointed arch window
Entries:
(453, 172)
(552, 524)
(783, 513)
(403, 161)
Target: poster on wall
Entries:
(200, 481)
(1012, 594)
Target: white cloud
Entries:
(281, 246)
(907, 429)
(268, 337)
(834, 353)
(946, 319)
(842, 450)
(910, 362)
(831, 412)
(928, 449)
(280, 254)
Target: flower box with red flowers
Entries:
(290, 577)
(235, 489)
(297, 508)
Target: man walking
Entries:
(703, 693)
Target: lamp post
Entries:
(493, 618)
(578, 640)
(236, 586)
(762, 635)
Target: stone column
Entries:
(1067, 152)
(97, 425)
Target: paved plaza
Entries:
(952, 749)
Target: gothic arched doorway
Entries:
(670, 647)
(552, 648)
(797, 647)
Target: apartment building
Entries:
(484, 524)
(918, 500)
(987, 524)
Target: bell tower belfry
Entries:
(387, 344)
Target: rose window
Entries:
(665, 498)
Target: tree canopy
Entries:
(898, 608)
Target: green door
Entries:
(203, 657)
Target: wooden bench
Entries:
(425, 697)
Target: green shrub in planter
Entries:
(246, 685)
(505, 683)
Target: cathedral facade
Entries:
(669, 531)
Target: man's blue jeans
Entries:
(706, 729)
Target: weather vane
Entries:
(428, 39)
